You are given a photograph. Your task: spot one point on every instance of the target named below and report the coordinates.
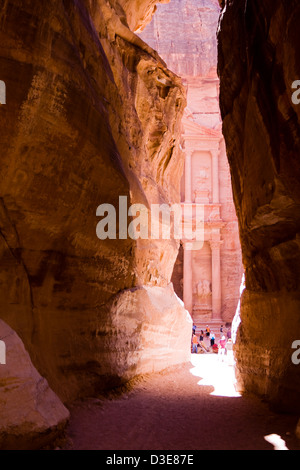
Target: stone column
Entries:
(215, 176)
(216, 279)
(188, 176)
(188, 277)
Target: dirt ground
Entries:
(191, 407)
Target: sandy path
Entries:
(181, 409)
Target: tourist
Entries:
(193, 331)
(222, 348)
(207, 331)
(229, 333)
(221, 330)
(195, 344)
(201, 341)
(212, 339)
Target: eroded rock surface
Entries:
(31, 414)
(92, 114)
(258, 62)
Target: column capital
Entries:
(187, 245)
(215, 244)
(215, 152)
(188, 152)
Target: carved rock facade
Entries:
(207, 275)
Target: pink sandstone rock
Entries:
(162, 322)
(31, 414)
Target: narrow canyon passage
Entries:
(105, 115)
(193, 406)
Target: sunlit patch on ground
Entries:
(276, 441)
(214, 372)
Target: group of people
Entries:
(208, 343)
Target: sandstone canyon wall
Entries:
(91, 114)
(259, 60)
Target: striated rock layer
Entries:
(258, 62)
(92, 114)
(31, 414)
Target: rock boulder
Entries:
(31, 414)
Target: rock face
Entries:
(160, 316)
(31, 414)
(184, 34)
(258, 63)
(91, 114)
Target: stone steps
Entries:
(214, 326)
